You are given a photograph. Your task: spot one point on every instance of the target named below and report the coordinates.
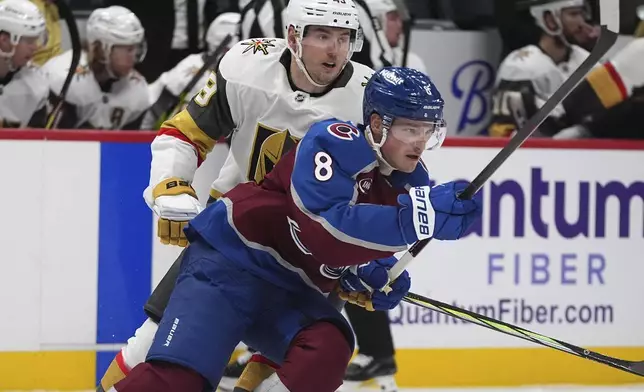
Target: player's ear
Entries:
(550, 21)
(375, 123)
(96, 57)
(5, 41)
(291, 38)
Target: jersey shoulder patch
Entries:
(343, 130)
(259, 46)
(241, 66)
(525, 63)
(344, 142)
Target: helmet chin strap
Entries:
(385, 167)
(8, 56)
(8, 59)
(559, 35)
(562, 38)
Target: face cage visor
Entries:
(431, 133)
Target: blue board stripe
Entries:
(124, 246)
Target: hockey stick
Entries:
(606, 40)
(635, 367)
(66, 13)
(174, 106)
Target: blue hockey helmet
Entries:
(400, 92)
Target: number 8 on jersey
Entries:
(323, 168)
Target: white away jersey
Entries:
(252, 95)
(23, 98)
(531, 72)
(87, 105)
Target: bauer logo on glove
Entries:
(438, 212)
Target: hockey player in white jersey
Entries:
(166, 91)
(380, 20)
(23, 86)
(106, 92)
(266, 93)
(528, 76)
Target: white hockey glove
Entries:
(175, 203)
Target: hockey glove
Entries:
(175, 203)
(361, 285)
(438, 213)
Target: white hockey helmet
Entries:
(343, 13)
(21, 18)
(116, 25)
(554, 7)
(223, 25)
(331, 13)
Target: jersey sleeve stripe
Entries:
(602, 89)
(214, 117)
(184, 124)
(337, 234)
(607, 84)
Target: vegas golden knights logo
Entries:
(269, 146)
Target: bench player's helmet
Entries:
(223, 25)
(116, 25)
(400, 92)
(540, 9)
(303, 13)
(20, 18)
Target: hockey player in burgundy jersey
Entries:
(263, 257)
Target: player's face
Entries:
(123, 58)
(406, 141)
(25, 50)
(393, 28)
(575, 27)
(325, 51)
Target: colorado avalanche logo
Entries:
(332, 273)
(343, 131)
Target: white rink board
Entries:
(63, 206)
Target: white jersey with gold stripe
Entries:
(252, 101)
